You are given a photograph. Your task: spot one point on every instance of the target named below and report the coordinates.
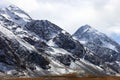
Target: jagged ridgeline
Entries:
(35, 48)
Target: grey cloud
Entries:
(3, 3)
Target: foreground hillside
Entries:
(72, 76)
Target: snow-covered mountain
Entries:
(100, 45)
(15, 15)
(38, 47)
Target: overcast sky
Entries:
(103, 15)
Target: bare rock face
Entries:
(33, 48)
(15, 56)
(107, 50)
(24, 49)
(43, 28)
(66, 42)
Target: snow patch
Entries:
(7, 32)
(38, 68)
(58, 51)
(23, 16)
(51, 43)
(82, 41)
(110, 46)
(64, 32)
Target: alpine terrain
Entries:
(32, 48)
(105, 52)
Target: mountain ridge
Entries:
(99, 44)
(39, 47)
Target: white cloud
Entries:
(27, 5)
(3, 3)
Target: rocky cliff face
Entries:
(26, 48)
(101, 45)
(38, 47)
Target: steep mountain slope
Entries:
(50, 32)
(106, 49)
(15, 15)
(67, 50)
(19, 58)
(29, 40)
(17, 55)
(39, 47)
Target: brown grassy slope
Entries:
(69, 78)
(72, 76)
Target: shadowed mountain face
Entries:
(38, 47)
(101, 45)
(27, 47)
(14, 55)
(43, 28)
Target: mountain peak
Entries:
(15, 14)
(91, 35)
(89, 30)
(86, 26)
(44, 28)
(84, 29)
(12, 7)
